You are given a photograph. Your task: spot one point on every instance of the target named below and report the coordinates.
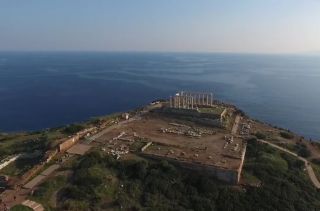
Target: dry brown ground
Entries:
(209, 149)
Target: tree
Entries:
(286, 135)
(260, 135)
(72, 129)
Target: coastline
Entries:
(87, 136)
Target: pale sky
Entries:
(250, 26)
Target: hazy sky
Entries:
(264, 26)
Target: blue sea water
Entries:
(41, 90)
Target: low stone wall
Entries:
(86, 130)
(194, 116)
(223, 174)
(50, 155)
(193, 113)
(244, 149)
(146, 146)
(209, 122)
(68, 143)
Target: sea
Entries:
(39, 90)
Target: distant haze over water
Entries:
(42, 90)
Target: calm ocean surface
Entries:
(41, 90)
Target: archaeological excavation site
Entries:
(191, 130)
(189, 140)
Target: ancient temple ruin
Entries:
(191, 100)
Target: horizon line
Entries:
(160, 51)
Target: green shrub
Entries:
(292, 161)
(286, 135)
(95, 121)
(316, 161)
(46, 189)
(72, 129)
(152, 185)
(93, 176)
(304, 152)
(74, 205)
(260, 135)
(20, 208)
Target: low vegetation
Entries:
(316, 169)
(299, 148)
(72, 129)
(34, 146)
(100, 182)
(260, 135)
(214, 110)
(316, 161)
(20, 208)
(20, 166)
(302, 150)
(47, 190)
(27, 142)
(286, 135)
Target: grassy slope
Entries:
(45, 191)
(100, 182)
(20, 208)
(26, 143)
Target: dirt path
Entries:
(309, 168)
(12, 197)
(108, 129)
